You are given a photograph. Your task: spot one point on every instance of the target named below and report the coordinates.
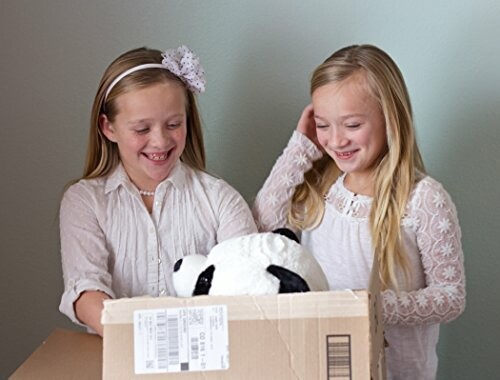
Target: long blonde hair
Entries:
(102, 155)
(397, 171)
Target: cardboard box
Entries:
(64, 355)
(331, 335)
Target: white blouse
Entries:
(110, 242)
(342, 246)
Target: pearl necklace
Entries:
(146, 193)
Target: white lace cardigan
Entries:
(342, 245)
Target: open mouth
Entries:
(157, 157)
(345, 155)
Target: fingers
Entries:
(307, 125)
(306, 121)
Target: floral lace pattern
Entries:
(346, 202)
(273, 201)
(432, 217)
(430, 226)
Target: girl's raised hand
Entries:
(307, 125)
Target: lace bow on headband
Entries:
(181, 62)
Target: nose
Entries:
(159, 137)
(336, 138)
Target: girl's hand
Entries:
(307, 125)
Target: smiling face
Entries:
(150, 131)
(350, 126)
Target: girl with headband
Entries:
(352, 179)
(144, 200)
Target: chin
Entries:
(159, 176)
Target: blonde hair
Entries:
(102, 155)
(397, 171)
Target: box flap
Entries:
(294, 305)
(64, 355)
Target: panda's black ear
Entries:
(204, 281)
(290, 282)
(177, 265)
(287, 233)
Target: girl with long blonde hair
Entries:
(352, 180)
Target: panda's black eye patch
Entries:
(177, 265)
(204, 282)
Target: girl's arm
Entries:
(84, 255)
(438, 238)
(234, 216)
(88, 309)
(272, 203)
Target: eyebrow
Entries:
(138, 121)
(344, 117)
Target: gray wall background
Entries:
(258, 56)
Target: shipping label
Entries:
(181, 339)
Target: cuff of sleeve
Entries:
(73, 291)
(302, 140)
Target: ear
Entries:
(287, 233)
(107, 128)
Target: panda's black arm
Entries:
(290, 282)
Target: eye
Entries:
(353, 125)
(321, 126)
(142, 131)
(141, 127)
(174, 125)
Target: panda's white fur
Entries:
(241, 266)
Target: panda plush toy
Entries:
(255, 264)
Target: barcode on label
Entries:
(338, 353)
(181, 339)
(173, 339)
(161, 340)
(196, 317)
(195, 348)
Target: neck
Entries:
(362, 184)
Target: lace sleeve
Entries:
(272, 203)
(438, 238)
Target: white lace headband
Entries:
(181, 62)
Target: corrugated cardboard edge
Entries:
(65, 354)
(377, 354)
(294, 305)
